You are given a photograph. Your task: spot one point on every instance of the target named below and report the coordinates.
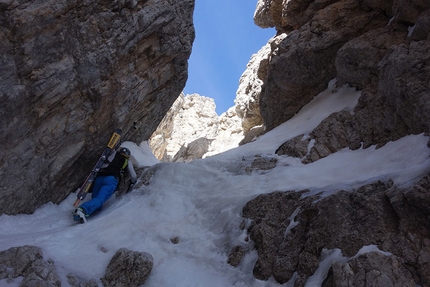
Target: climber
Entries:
(106, 182)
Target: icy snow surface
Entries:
(200, 203)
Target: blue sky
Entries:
(226, 38)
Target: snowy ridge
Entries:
(200, 203)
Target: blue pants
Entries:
(104, 187)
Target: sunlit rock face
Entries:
(192, 129)
(73, 71)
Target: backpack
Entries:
(117, 167)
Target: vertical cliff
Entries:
(70, 73)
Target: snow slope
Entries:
(200, 203)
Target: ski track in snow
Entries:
(200, 203)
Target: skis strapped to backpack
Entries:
(111, 146)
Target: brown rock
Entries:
(305, 60)
(290, 231)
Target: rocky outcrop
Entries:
(379, 47)
(128, 268)
(374, 122)
(247, 102)
(379, 233)
(193, 130)
(305, 60)
(164, 131)
(359, 43)
(28, 262)
(73, 71)
(400, 106)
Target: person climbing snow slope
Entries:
(107, 182)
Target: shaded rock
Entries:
(27, 261)
(291, 229)
(174, 240)
(128, 268)
(286, 16)
(371, 269)
(75, 282)
(235, 256)
(70, 73)
(253, 134)
(374, 122)
(421, 30)
(262, 163)
(296, 147)
(363, 44)
(404, 82)
(194, 150)
(304, 61)
(357, 61)
(407, 11)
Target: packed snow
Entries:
(200, 203)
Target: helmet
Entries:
(125, 152)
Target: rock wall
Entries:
(359, 43)
(192, 130)
(294, 231)
(381, 48)
(70, 73)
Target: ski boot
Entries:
(79, 215)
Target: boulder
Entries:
(128, 268)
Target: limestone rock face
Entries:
(73, 71)
(379, 47)
(192, 130)
(304, 61)
(247, 102)
(294, 231)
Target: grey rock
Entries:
(296, 147)
(395, 220)
(422, 27)
(174, 240)
(357, 61)
(404, 79)
(27, 261)
(128, 268)
(74, 281)
(371, 269)
(261, 163)
(235, 256)
(253, 134)
(305, 60)
(70, 73)
(374, 122)
(193, 150)
(407, 11)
